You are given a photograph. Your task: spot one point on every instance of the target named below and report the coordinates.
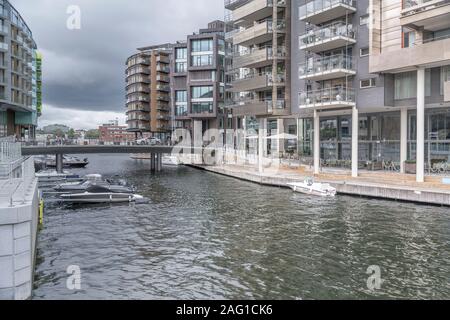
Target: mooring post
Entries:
(159, 162)
(59, 163)
(152, 162)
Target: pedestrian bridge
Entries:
(155, 152)
(55, 150)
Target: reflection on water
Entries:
(204, 236)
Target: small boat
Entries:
(68, 161)
(312, 188)
(100, 194)
(91, 181)
(170, 161)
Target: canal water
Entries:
(205, 236)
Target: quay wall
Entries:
(433, 196)
(18, 236)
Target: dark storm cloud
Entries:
(84, 69)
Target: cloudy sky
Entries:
(83, 70)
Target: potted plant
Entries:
(410, 166)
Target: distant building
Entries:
(113, 133)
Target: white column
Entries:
(198, 141)
(316, 142)
(420, 156)
(403, 138)
(355, 138)
(280, 131)
(261, 142)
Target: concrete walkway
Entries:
(392, 186)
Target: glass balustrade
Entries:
(328, 96)
(326, 64)
(312, 7)
(327, 32)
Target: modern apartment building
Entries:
(20, 75)
(357, 83)
(148, 91)
(260, 69)
(198, 80)
(364, 85)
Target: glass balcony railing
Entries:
(327, 97)
(312, 7)
(326, 65)
(414, 3)
(327, 32)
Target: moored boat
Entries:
(312, 188)
(99, 194)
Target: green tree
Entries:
(58, 133)
(92, 134)
(71, 134)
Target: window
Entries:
(363, 52)
(363, 20)
(181, 54)
(202, 60)
(181, 96)
(203, 92)
(204, 45)
(202, 107)
(445, 77)
(406, 85)
(408, 38)
(181, 110)
(180, 67)
(367, 83)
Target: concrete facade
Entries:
(19, 205)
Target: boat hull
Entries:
(314, 190)
(100, 198)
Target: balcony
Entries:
(163, 59)
(320, 11)
(326, 68)
(431, 54)
(328, 37)
(259, 33)
(164, 88)
(163, 68)
(233, 4)
(431, 15)
(162, 97)
(327, 98)
(136, 126)
(162, 78)
(4, 46)
(256, 107)
(255, 10)
(251, 83)
(257, 58)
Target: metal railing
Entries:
(326, 64)
(327, 32)
(326, 96)
(310, 8)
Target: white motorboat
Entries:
(92, 180)
(170, 161)
(99, 194)
(312, 188)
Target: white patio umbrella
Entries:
(283, 136)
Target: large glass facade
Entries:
(3, 124)
(437, 137)
(335, 141)
(379, 139)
